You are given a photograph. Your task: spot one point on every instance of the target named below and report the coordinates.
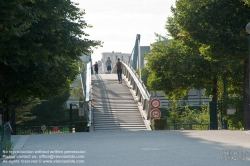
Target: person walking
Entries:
(96, 67)
(119, 70)
(108, 65)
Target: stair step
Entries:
(116, 111)
(97, 106)
(114, 106)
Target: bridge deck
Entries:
(114, 106)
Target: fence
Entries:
(42, 129)
(5, 144)
(188, 126)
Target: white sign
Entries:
(231, 111)
(81, 112)
(155, 103)
(155, 114)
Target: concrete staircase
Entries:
(114, 106)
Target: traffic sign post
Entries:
(155, 103)
(155, 114)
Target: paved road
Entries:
(138, 148)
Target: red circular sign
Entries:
(155, 103)
(155, 114)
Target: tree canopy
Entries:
(208, 44)
(40, 44)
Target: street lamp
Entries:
(247, 118)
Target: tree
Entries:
(22, 110)
(51, 110)
(202, 53)
(220, 27)
(247, 1)
(41, 44)
(144, 76)
(176, 68)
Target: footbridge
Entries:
(113, 106)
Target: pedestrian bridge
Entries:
(113, 106)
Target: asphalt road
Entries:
(128, 148)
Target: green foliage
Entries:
(164, 112)
(174, 113)
(203, 116)
(218, 24)
(40, 44)
(50, 111)
(209, 44)
(23, 110)
(247, 2)
(187, 114)
(9, 147)
(176, 68)
(81, 126)
(76, 91)
(144, 76)
(159, 124)
(235, 121)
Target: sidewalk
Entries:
(140, 148)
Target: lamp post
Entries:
(247, 123)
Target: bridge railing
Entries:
(141, 92)
(88, 98)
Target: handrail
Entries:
(140, 89)
(88, 83)
(88, 92)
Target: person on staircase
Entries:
(96, 67)
(119, 70)
(108, 65)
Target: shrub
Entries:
(81, 126)
(159, 124)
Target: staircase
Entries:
(114, 106)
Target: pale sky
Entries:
(117, 22)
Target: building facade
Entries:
(113, 57)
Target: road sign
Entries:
(155, 114)
(155, 103)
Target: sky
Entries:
(117, 22)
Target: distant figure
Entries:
(96, 66)
(119, 70)
(108, 65)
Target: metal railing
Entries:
(88, 92)
(187, 126)
(5, 144)
(143, 96)
(42, 129)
